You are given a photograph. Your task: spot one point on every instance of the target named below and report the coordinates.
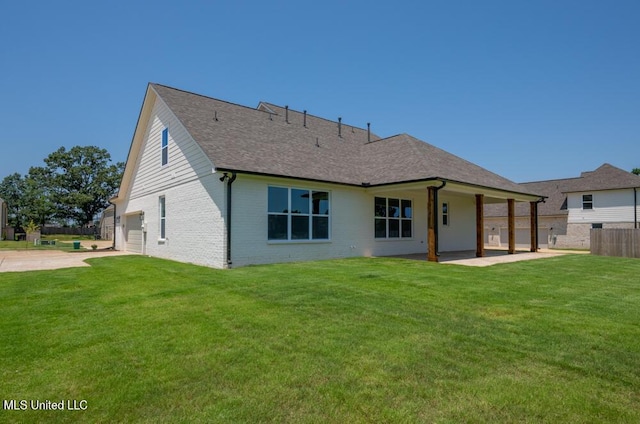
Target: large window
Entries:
(587, 201)
(165, 146)
(393, 218)
(298, 214)
(162, 214)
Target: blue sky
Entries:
(531, 90)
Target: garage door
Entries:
(133, 234)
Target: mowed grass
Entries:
(346, 341)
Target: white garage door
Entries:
(133, 234)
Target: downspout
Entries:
(115, 209)
(635, 207)
(435, 230)
(230, 181)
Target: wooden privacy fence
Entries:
(615, 242)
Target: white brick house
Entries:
(604, 198)
(219, 184)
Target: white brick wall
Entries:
(195, 231)
(351, 217)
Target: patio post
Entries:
(479, 225)
(432, 254)
(533, 206)
(512, 224)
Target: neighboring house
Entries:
(219, 184)
(107, 223)
(4, 220)
(604, 198)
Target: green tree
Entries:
(636, 171)
(12, 190)
(38, 204)
(82, 180)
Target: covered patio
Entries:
(454, 217)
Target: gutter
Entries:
(369, 185)
(435, 212)
(230, 181)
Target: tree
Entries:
(38, 205)
(82, 180)
(12, 190)
(636, 171)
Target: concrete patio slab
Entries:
(36, 260)
(492, 257)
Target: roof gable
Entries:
(606, 177)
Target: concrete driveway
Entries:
(35, 260)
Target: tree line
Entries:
(70, 189)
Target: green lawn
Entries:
(63, 242)
(25, 245)
(360, 340)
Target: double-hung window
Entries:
(393, 218)
(445, 214)
(298, 214)
(165, 146)
(587, 201)
(162, 231)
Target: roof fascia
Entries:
(150, 98)
(468, 188)
(409, 185)
(265, 174)
(601, 189)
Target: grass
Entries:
(25, 245)
(356, 340)
(63, 242)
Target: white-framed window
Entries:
(298, 214)
(165, 147)
(445, 214)
(393, 218)
(587, 201)
(162, 213)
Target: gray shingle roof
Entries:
(606, 177)
(260, 140)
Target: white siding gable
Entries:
(608, 206)
(187, 161)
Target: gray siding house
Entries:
(220, 184)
